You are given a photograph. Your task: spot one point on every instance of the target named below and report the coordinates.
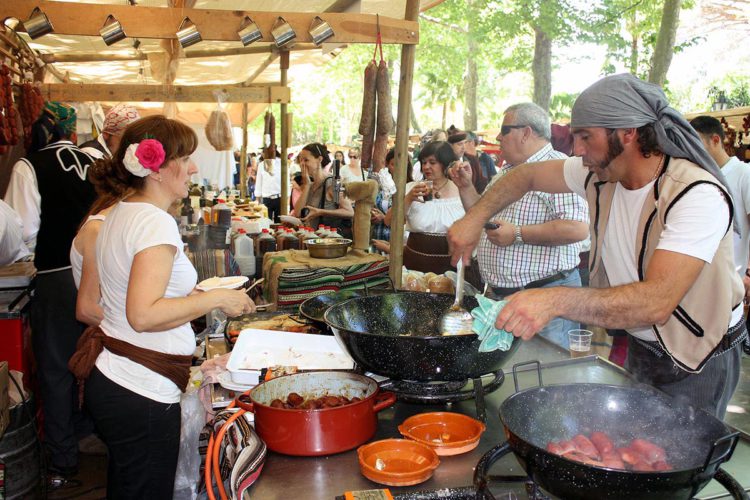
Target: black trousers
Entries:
(55, 332)
(274, 208)
(142, 437)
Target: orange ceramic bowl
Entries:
(397, 462)
(445, 432)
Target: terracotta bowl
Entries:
(445, 432)
(397, 462)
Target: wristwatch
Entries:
(518, 240)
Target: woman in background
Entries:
(381, 212)
(353, 171)
(339, 155)
(431, 210)
(83, 262)
(137, 361)
(316, 203)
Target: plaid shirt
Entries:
(517, 265)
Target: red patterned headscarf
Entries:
(119, 117)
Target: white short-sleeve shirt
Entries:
(702, 207)
(130, 228)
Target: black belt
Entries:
(272, 197)
(734, 336)
(502, 292)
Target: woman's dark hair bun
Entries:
(107, 178)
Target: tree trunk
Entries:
(634, 42)
(414, 123)
(470, 76)
(470, 94)
(445, 114)
(664, 49)
(542, 68)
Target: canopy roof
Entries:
(153, 61)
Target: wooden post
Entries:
(243, 154)
(402, 149)
(284, 67)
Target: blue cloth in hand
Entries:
(484, 316)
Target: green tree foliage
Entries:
(629, 30)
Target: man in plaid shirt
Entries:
(534, 242)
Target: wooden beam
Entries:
(69, 18)
(243, 154)
(402, 150)
(161, 93)
(284, 75)
(260, 69)
(340, 5)
(189, 54)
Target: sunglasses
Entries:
(353, 157)
(505, 129)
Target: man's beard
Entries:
(614, 149)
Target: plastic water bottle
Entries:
(244, 254)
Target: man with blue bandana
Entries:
(661, 224)
(50, 190)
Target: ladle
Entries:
(457, 320)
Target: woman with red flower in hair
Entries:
(137, 361)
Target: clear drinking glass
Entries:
(428, 196)
(580, 343)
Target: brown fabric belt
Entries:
(172, 366)
(501, 292)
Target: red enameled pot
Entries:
(323, 431)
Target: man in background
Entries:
(268, 185)
(534, 242)
(485, 161)
(737, 175)
(50, 190)
(115, 122)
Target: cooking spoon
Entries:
(457, 320)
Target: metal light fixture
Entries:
(282, 32)
(38, 24)
(320, 31)
(188, 33)
(112, 31)
(249, 32)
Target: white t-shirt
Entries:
(12, 247)
(129, 229)
(701, 207)
(348, 175)
(434, 216)
(76, 259)
(737, 174)
(268, 184)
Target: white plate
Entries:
(225, 380)
(225, 282)
(288, 219)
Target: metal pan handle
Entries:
(731, 484)
(538, 371)
(732, 439)
(481, 472)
